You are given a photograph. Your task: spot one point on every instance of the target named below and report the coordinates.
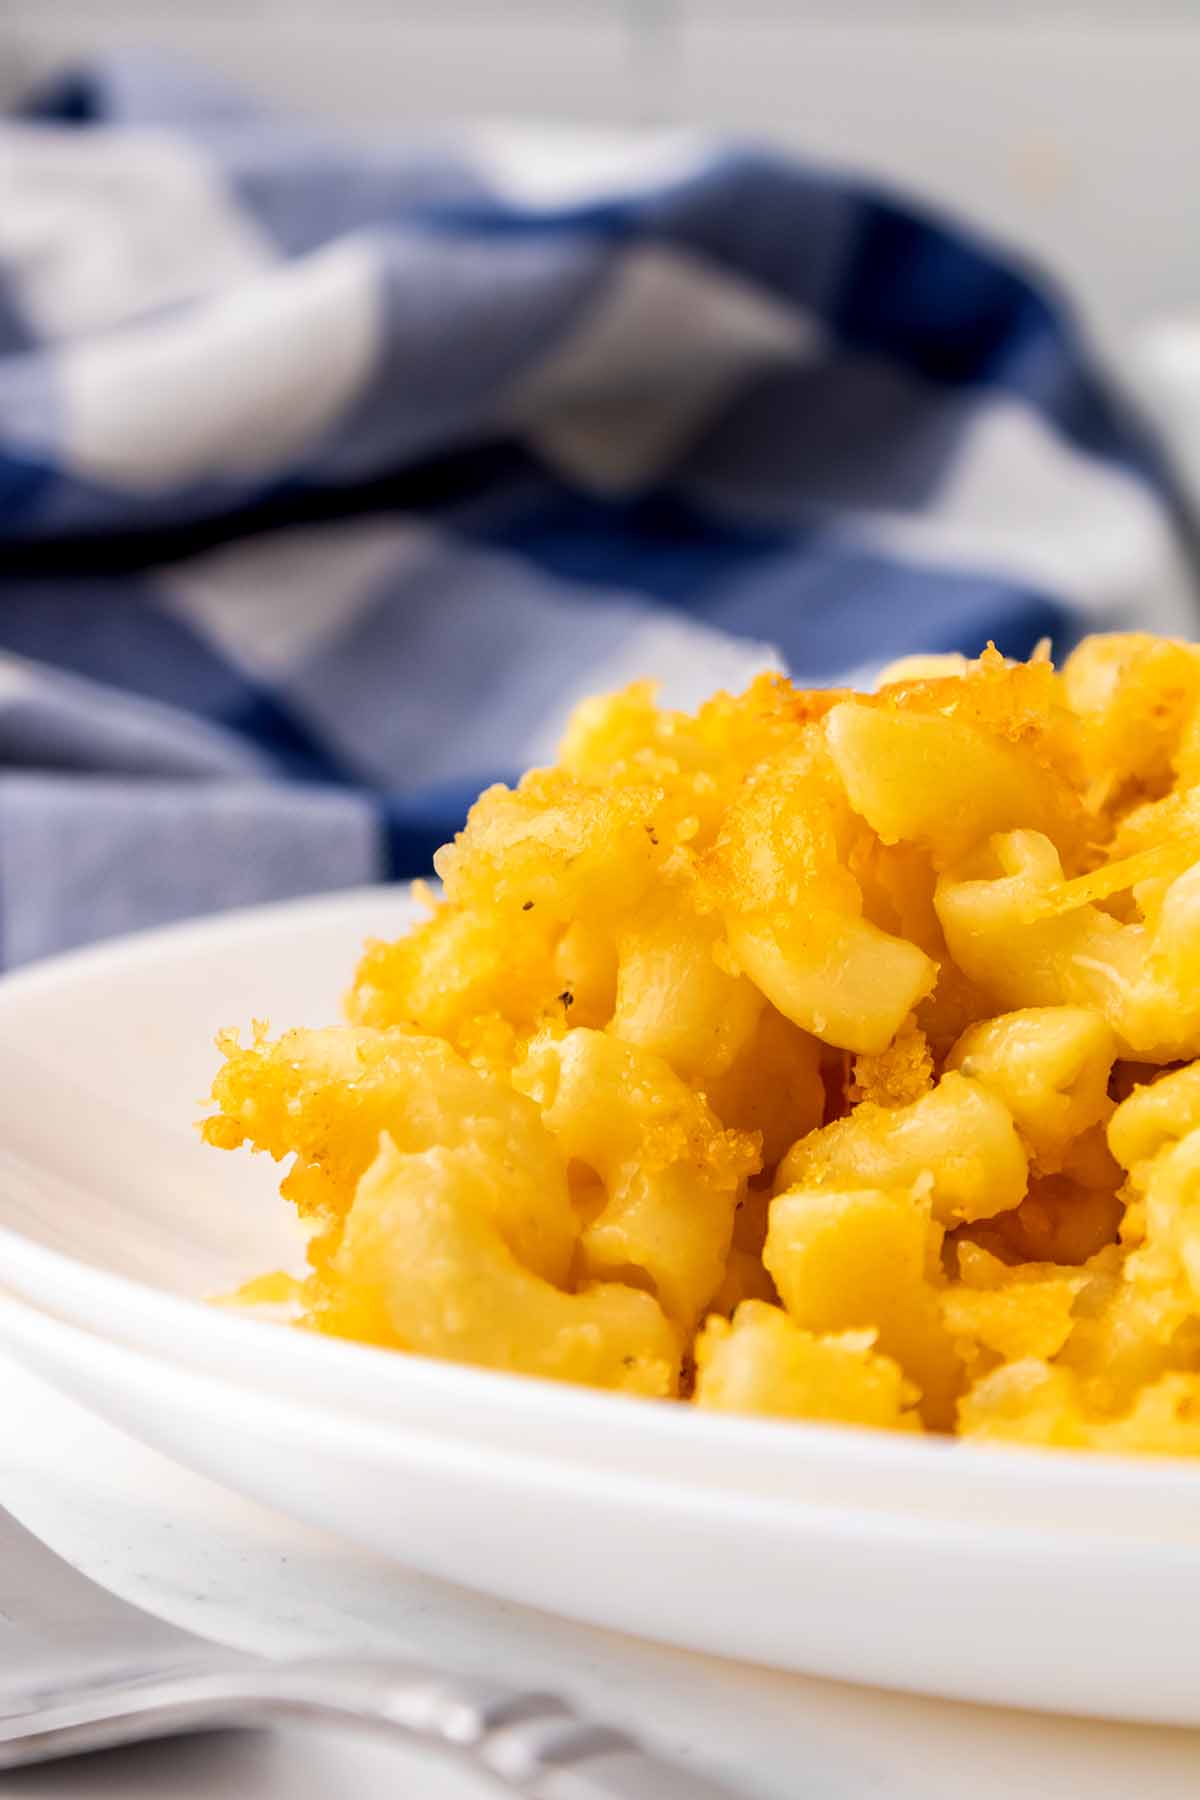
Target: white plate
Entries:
(1050, 1581)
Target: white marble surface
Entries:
(203, 1558)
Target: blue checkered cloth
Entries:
(333, 472)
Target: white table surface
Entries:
(193, 1553)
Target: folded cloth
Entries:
(332, 473)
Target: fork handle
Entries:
(530, 1744)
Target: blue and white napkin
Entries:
(333, 472)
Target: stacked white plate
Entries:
(1048, 1581)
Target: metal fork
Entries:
(83, 1670)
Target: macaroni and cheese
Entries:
(826, 1055)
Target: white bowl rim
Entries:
(869, 1454)
(403, 1444)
